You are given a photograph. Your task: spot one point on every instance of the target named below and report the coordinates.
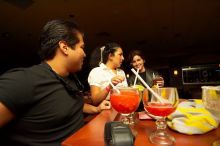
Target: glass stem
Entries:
(161, 124)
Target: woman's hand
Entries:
(158, 81)
(117, 79)
(91, 109)
(104, 105)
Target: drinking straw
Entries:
(135, 80)
(147, 86)
(154, 77)
(114, 87)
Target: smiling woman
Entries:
(137, 61)
(151, 77)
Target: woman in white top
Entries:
(108, 71)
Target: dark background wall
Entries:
(171, 33)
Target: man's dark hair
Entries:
(55, 31)
(110, 48)
(134, 53)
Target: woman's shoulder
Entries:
(148, 70)
(120, 70)
(96, 70)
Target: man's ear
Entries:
(63, 47)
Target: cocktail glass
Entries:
(158, 81)
(125, 102)
(211, 101)
(159, 111)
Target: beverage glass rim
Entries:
(124, 88)
(211, 87)
(165, 88)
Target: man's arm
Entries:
(5, 115)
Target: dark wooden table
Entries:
(93, 133)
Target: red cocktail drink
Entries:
(127, 101)
(160, 109)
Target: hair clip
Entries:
(101, 51)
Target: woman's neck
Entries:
(142, 70)
(111, 66)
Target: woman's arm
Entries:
(90, 109)
(98, 94)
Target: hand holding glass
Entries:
(158, 81)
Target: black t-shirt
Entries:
(147, 76)
(47, 109)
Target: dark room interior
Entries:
(173, 34)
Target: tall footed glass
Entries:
(125, 102)
(211, 101)
(159, 111)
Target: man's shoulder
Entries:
(21, 69)
(25, 73)
(15, 72)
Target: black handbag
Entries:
(118, 134)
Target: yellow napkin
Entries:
(191, 117)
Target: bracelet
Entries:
(107, 88)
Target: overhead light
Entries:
(175, 72)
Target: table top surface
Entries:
(93, 133)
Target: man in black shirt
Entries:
(41, 105)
